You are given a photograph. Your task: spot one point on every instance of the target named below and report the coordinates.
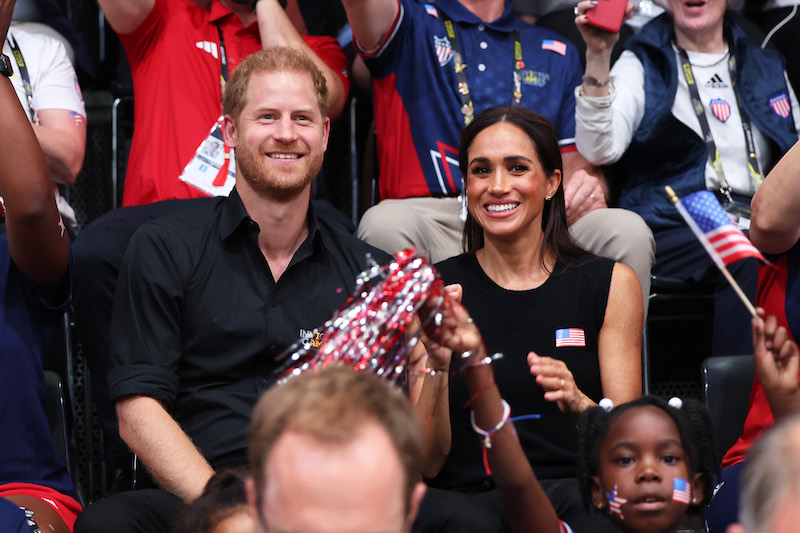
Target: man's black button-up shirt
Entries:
(198, 318)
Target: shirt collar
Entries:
(218, 11)
(456, 11)
(233, 216)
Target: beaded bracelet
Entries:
(487, 435)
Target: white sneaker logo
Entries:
(209, 47)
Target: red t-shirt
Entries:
(775, 283)
(176, 65)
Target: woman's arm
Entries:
(619, 352)
(620, 339)
(429, 383)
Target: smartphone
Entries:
(607, 15)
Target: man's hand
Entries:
(583, 193)
(777, 361)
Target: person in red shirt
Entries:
(180, 56)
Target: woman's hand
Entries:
(597, 41)
(454, 332)
(559, 385)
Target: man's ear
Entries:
(326, 131)
(598, 494)
(229, 131)
(415, 500)
(698, 488)
(250, 492)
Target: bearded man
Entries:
(209, 297)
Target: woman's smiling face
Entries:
(506, 185)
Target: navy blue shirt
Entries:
(29, 319)
(417, 106)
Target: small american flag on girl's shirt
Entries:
(570, 337)
(681, 490)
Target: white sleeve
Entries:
(604, 126)
(53, 80)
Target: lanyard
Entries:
(467, 109)
(223, 58)
(26, 79)
(713, 153)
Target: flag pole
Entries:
(707, 245)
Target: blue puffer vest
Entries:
(664, 151)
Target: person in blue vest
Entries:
(693, 105)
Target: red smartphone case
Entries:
(607, 15)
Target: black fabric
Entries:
(199, 321)
(447, 511)
(515, 323)
(98, 253)
(141, 511)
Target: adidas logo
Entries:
(716, 83)
(209, 47)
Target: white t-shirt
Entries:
(605, 126)
(54, 84)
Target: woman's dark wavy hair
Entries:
(222, 497)
(694, 426)
(539, 130)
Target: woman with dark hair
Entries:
(568, 324)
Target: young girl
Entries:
(647, 463)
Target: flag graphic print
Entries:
(726, 239)
(615, 503)
(780, 104)
(570, 337)
(554, 46)
(681, 490)
(721, 109)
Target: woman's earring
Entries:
(548, 198)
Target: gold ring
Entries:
(562, 383)
(470, 321)
(576, 11)
(592, 196)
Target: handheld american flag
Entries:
(727, 240)
(723, 241)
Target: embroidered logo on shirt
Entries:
(780, 104)
(554, 46)
(570, 337)
(431, 11)
(720, 109)
(535, 78)
(444, 50)
(209, 47)
(311, 339)
(716, 82)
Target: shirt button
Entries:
(481, 27)
(484, 46)
(481, 67)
